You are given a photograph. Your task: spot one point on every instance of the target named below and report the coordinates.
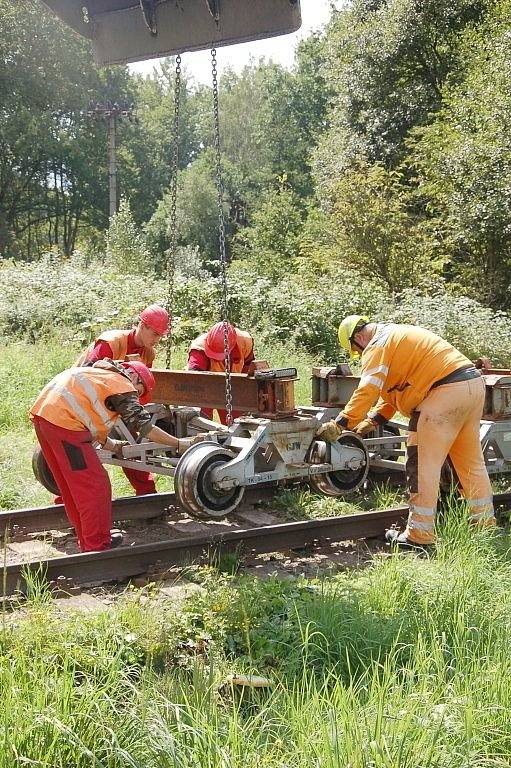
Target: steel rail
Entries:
(132, 508)
(122, 563)
(54, 518)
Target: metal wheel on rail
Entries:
(43, 473)
(193, 482)
(342, 482)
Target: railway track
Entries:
(126, 562)
(132, 508)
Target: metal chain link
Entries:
(171, 252)
(221, 230)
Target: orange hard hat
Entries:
(214, 344)
(157, 318)
(146, 376)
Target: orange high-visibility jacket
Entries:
(245, 345)
(118, 342)
(399, 366)
(75, 400)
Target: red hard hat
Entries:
(156, 318)
(214, 346)
(146, 376)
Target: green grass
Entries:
(403, 665)
(303, 504)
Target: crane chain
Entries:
(171, 252)
(221, 230)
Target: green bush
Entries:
(304, 309)
(72, 300)
(475, 330)
(75, 300)
(126, 246)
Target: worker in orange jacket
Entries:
(153, 324)
(77, 407)
(413, 371)
(207, 353)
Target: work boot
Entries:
(401, 541)
(116, 539)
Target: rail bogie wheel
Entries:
(194, 486)
(342, 482)
(43, 473)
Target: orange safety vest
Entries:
(245, 345)
(118, 342)
(75, 400)
(399, 366)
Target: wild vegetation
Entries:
(372, 177)
(381, 158)
(403, 664)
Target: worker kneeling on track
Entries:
(77, 407)
(207, 353)
(153, 325)
(413, 371)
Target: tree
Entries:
(146, 150)
(271, 244)
(463, 164)
(53, 171)
(387, 61)
(126, 247)
(377, 232)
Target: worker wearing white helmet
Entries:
(411, 370)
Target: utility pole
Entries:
(112, 164)
(110, 113)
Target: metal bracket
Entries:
(276, 373)
(214, 9)
(149, 11)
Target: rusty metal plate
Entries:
(121, 33)
(205, 389)
(497, 404)
(333, 391)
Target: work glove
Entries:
(364, 427)
(116, 446)
(184, 443)
(330, 432)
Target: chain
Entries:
(221, 230)
(171, 252)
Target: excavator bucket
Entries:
(131, 30)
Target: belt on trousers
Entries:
(462, 374)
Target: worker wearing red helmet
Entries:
(153, 324)
(207, 353)
(76, 408)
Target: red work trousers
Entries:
(83, 482)
(142, 482)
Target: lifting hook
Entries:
(214, 9)
(149, 10)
